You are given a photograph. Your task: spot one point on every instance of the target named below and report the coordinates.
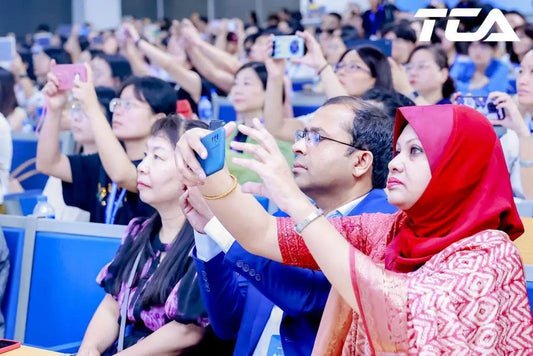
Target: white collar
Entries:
(348, 207)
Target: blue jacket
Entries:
(240, 289)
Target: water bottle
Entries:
(205, 109)
(27, 127)
(43, 209)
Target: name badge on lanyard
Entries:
(113, 204)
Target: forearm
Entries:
(50, 160)
(332, 85)
(526, 173)
(138, 66)
(170, 339)
(208, 69)
(259, 234)
(220, 41)
(220, 58)
(116, 163)
(103, 328)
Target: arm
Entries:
(170, 339)
(220, 78)
(401, 83)
(72, 46)
(282, 128)
(103, 328)
(136, 59)
(526, 172)
(50, 160)
(116, 162)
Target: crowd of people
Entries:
(395, 205)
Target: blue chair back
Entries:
(24, 150)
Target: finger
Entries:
(187, 176)
(187, 150)
(89, 73)
(229, 128)
(182, 200)
(253, 188)
(251, 164)
(257, 151)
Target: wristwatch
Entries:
(308, 220)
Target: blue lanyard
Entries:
(531, 125)
(113, 204)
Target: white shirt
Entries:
(6, 155)
(511, 152)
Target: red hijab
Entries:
(469, 191)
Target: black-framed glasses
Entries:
(313, 138)
(350, 67)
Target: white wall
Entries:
(101, 14)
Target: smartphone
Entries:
(288, 47)
(66, 74)
(215, 143)
(483, 105)
(8, 345)
(7, 50)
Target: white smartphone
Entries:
(7, 51)
(288, 47)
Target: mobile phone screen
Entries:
(483, 105)
(288, 47)
(6, 49)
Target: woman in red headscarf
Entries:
(440, 276)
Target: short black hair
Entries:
(120, 66)
(260, 70)
(155, 92)
(371, 130)
(336, 15)
(401, 30)
(58, 54)
(389, 100)
(8, 103)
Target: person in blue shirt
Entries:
(341, 160)
(483, 73)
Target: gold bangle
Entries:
(225, 194)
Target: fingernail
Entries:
(202, 176)
(204, 155)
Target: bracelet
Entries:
(322, 69)
(225, 194)
(308, 220)
(526, 163)
(136, 43)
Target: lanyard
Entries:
(113, 204)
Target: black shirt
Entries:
(90, 187)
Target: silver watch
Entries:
(309, 219)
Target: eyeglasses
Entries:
(350, 67)
(126, 105)
(313, 138)
(417, 67)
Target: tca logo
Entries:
(451, 33)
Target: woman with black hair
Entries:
(430, 62)
(105, 184)
(151, 283)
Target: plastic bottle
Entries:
(205, 109)
(43, 209)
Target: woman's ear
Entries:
(158, 116)
(363, 163)
(444, 73)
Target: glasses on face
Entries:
(415, 67)
(126, 105)
(313, 138)
(350, 67)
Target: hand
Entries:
(195, 209)
(88, 351)
(17, 66)
(56, 99)
(454, 97)
(190, 33)
(269, 164)
(400, 79)
(275, 67)
(131, 31)
(314, 57)
(84, 93)
(513, 118)
(255, 189)
(189, 170)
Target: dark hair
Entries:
(527, 28)
(155, 92)
(260, 70)
(388, 100)
(377, 62)
(143, 231)
(336, 15)
(58, 54)
(401, 30)
(372, 131)
(8, 100)
(491, 44)
(120, 66)
(96, 53)
(105, 95)
(43, 27)
(439, 56)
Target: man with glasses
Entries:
(341, 164)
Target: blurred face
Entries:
(102, 74)
(480, 53)
(110, 45)
(354, 74)
(258, 49)
(156, 174)
(132, 118)
(524, 81)
(247, 93)
(330, 22)
(409, 171)
(314, 170)
(423, 66)
(400, 48)
(514, 20)
(524, 45)
(41, 64)
(81, 126)
(446, 45)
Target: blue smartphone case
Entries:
(215, 144)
